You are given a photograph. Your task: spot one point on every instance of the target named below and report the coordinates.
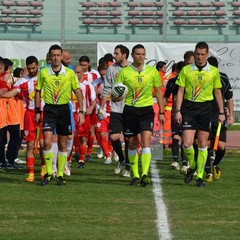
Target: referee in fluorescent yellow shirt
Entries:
(138, 115)
(57, 82)
(197, 83)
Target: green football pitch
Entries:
(97, 204)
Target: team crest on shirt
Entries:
(199, 78)
(57, 82)
(140, 80)
(26, 133)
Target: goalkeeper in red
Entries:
(198, 83)
(138, 115)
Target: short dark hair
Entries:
(180, 65)
(123, 49)
(31, 59)
(202, 45)
(138, 46)
(213, 61)
(54, 47)
(84, 58)
(17, 72)
(187, 55)
(8, 63)
(160, 64)
(108, 57)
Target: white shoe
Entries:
(108, 161)
(126, 173)
(19, 161)
(100, 153)
(184, 170)
(115, 156)
(55, 173)
(175, 165)
(67, 169)
(119, 167)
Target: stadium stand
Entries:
(21, 16)
(133, 20)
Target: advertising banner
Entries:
(228, 56)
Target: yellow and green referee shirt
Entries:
(199, 85)
(140, 84)
(57, 88)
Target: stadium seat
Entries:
(159, 21)
(102, 21)
(20, 20)
(116, 13)
(159, 13)
(133, 4)
(115, 4)
(205, 4)
(148, 21)
(236, 12)
(101, 13)
(116, 21)
(178, 4)
(22, 11)
(88, 4)
(147, 4)
(208, 22)
(220, 13)
(192, 13)
(148, 13)
(35, 12)
(8, 3)
(22, 3)
(192, 4)
(222, 21)
(235, 4)
(159, 4)
(179, 21)
(134, 13)
(88, 13)
(206, 13)
(134, 21)
(7, 20)
(102, 4)
(219, 4)
(193, 22)
(236, 21)
(36, 3)
(178, 13)
(88, 21)
(35, 20)
(8, 11)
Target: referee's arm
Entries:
(179, 100)
(219, 100)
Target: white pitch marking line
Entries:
(162, 220)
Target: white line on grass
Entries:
(162, 221)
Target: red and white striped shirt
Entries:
(27, 86)
(98, 85)
(91, 75)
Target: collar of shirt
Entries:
(206, 68)
(143, 68)
(62, 71)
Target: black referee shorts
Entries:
(196, 115)
(57, 117)
(137, 119)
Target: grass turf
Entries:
(97, 204)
